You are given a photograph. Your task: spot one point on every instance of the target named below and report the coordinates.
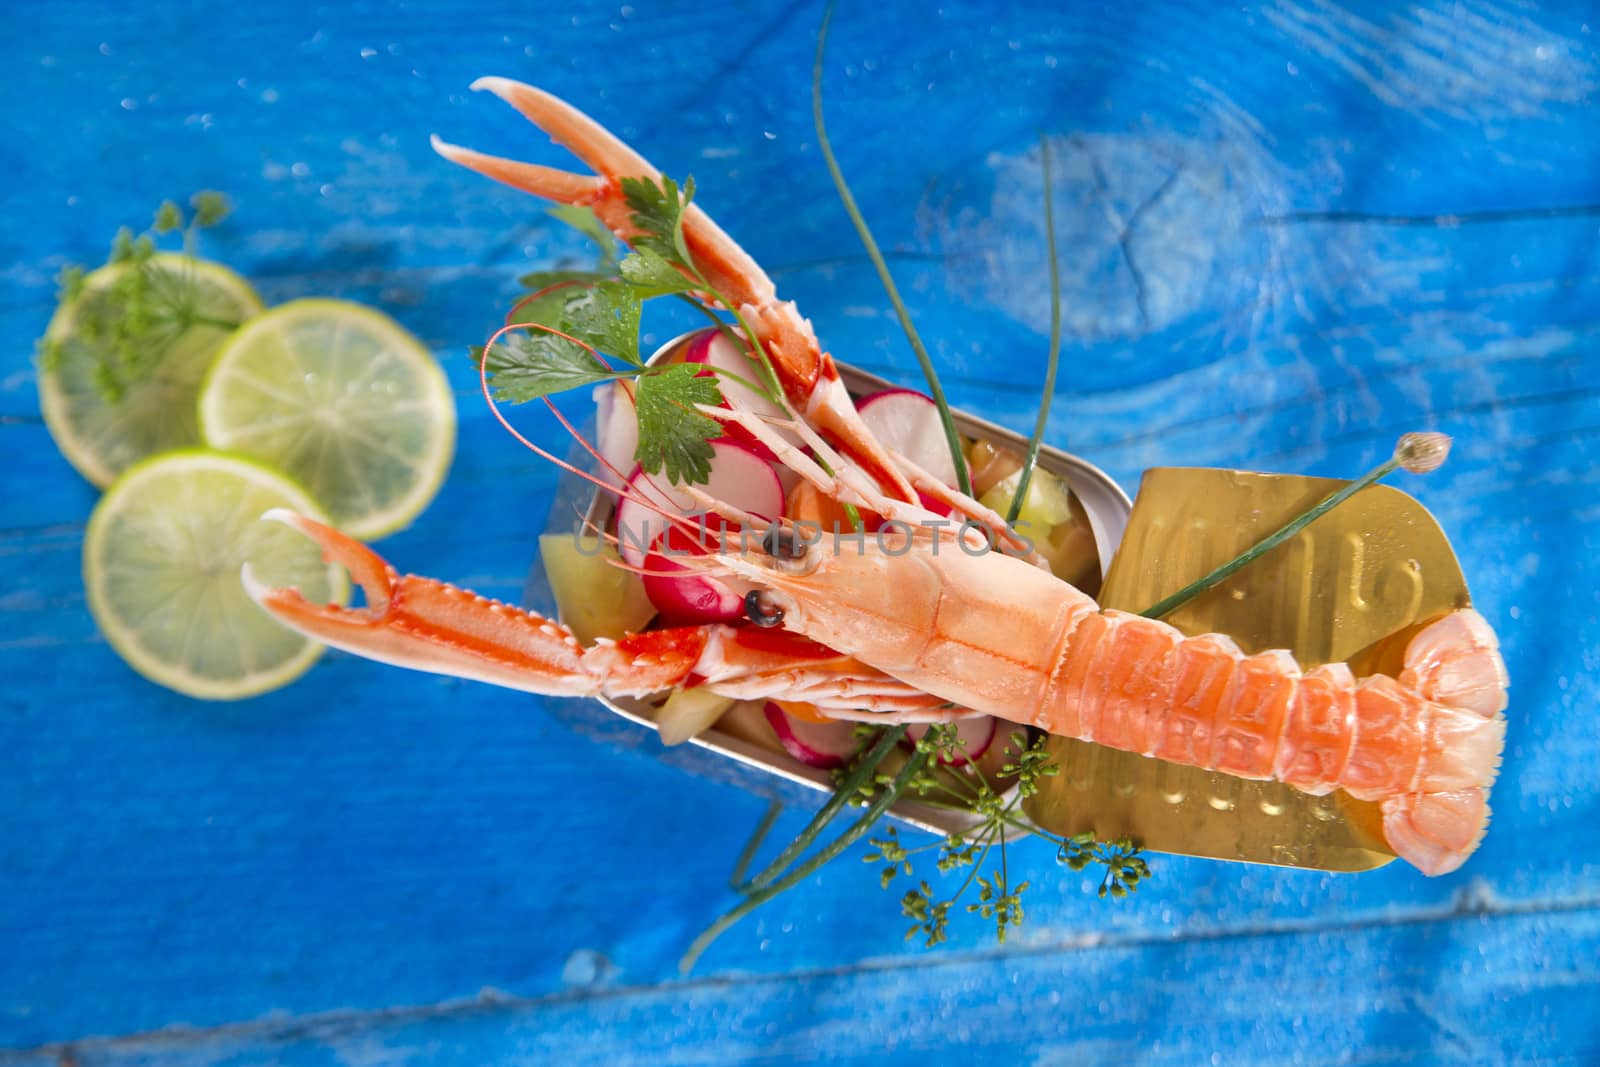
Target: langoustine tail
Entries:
(1455, 664)
(1426, 745)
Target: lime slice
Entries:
(154, 412)
(342, 399)
(161, 563)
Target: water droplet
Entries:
(299, 170)
(129, 103)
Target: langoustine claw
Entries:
(432, 626)
(809, 377)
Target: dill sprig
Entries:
(131, 322)
(937, 774)
(996, 805)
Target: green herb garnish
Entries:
(147, 308)
(997, 808)
(576, 316)
(1032, 457)
(850, 836)
(672, 433)
(1418, 453)
(966, 789)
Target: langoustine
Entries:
(995, 635)
(924, 630)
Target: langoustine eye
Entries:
(760, 609)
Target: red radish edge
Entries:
(739, 477)
(692, 598)
(816, 744)
(712, 349)
(909, 423)
(978, 731)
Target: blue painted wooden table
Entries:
(1292, 230)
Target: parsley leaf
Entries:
(652, 274)
(545, 279)
(658, 216)
(526, 366)
(672, 434)
(602, 311)
(210, 208)
(603, 315)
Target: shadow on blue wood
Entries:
(1293, 231)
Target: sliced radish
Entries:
(691, 598)
(738, 477)
(909, 423)
(713, 349)
(977, 733)
(616, 432)
(816, 744)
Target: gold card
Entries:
(1353, 586)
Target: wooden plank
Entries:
(1465, 989)
(1256, 275)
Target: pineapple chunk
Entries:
(688, 712)
(1046, 506)
(593, 597)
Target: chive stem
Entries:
(873, 253)
(1417, 452)
(880, 804)
(860, 773)
(752, 846)
(1032, 456)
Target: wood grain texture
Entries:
(1292, 231)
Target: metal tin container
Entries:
(767, 769)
